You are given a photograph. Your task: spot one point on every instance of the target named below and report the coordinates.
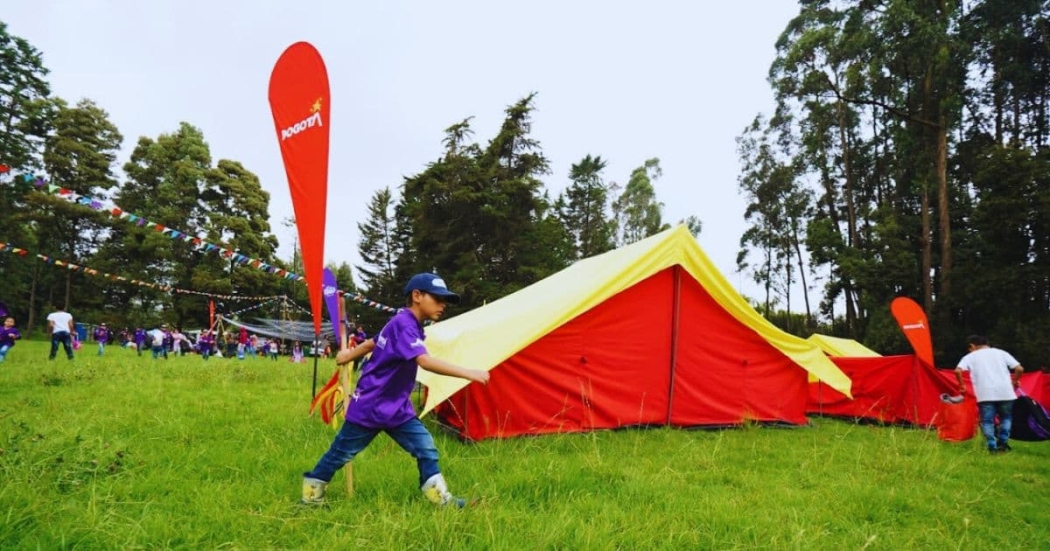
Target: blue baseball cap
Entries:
(432, 284)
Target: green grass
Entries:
(128, 452)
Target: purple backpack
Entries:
(1031, 421)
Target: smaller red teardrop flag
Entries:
(912, 320)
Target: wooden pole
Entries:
(345, 375)
(675, 306)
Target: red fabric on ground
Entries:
(891, 389)
(1037, 386)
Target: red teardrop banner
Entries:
(300, 101)
(912, 320)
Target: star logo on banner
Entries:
(317, 106)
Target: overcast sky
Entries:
(624, 80)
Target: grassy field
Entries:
(123, 451)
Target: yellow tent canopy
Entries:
(839, 347)
(486, 336)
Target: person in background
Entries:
(275, 347)
(297, 353)
(140, 339)
(995, 375)
(59, 329)
(359, 336)
(8, 335)
(158, 337)
(188, 345)
(253, 345)
(176, 341)
(102, 335)
(204, 344)
(242, 342)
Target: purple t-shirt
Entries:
(8, 336)
(101, 335)
(383, 398)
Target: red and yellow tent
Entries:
(648, 334)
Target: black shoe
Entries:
(1004, 447)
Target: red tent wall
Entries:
(606, 368)
(891, 389)
(726, 372)
(611, 367)
(1037, 385)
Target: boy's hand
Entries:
(478, 376)
(343, 357)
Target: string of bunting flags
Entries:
(9, 248)
(260, 305)
(42, 185)
(366, 301)
(360, 299)
(299, 308)
(226, 297)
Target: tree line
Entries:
(907, 155)
(479, 215)
(171, 180)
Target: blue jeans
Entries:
(160, 351)
(67, 344)
(412, 436)
(1005, 409)
(101, 348)
(3, 352)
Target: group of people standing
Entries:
(247, 345)
(160, 341)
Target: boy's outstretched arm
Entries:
(346, 356)
(441, 367)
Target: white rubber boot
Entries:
(436, 491)
(313, 491)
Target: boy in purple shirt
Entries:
(140, 339)
(8, 335)
(101, 337)
(204, 344)
(382, 401)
